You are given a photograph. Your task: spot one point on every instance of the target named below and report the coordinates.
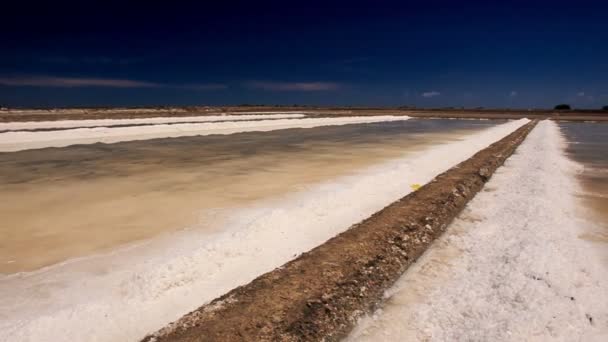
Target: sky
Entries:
(519, 54)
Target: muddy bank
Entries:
(320, 294)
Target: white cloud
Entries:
(71, 82)
(582, 96)
(513, 93)
(78, 82)
(430, 94)
(204, 86)
(294, 86)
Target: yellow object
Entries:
(415, 186)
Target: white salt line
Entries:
(62, 124)
(134, 293)
(16, 141)
(511, 268)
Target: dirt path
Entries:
(321, 294)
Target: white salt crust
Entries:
(24, 140)
(512, 267)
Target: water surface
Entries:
(61, 203)
(588, 145)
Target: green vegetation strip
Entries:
(321, 294)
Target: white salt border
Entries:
(63, 124)
(23, 140)
(127, 294)
(512, 267)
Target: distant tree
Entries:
(563, 106)
(605, 108)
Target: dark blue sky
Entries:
(424, 53)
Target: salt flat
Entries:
(512, 267)
(129, 293)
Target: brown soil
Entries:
(320, 295)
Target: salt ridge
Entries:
(62, 124)
(511, 268)
(23, 140)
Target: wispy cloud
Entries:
(584, 97)
(513, 93)
(293, 86)
(79, 82)
(92, 60)
(204, 86)
(430, 94)
(72, 82)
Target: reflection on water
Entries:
(588, 144)
(60, 203)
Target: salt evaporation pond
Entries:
(326, 183)
(62, 203)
